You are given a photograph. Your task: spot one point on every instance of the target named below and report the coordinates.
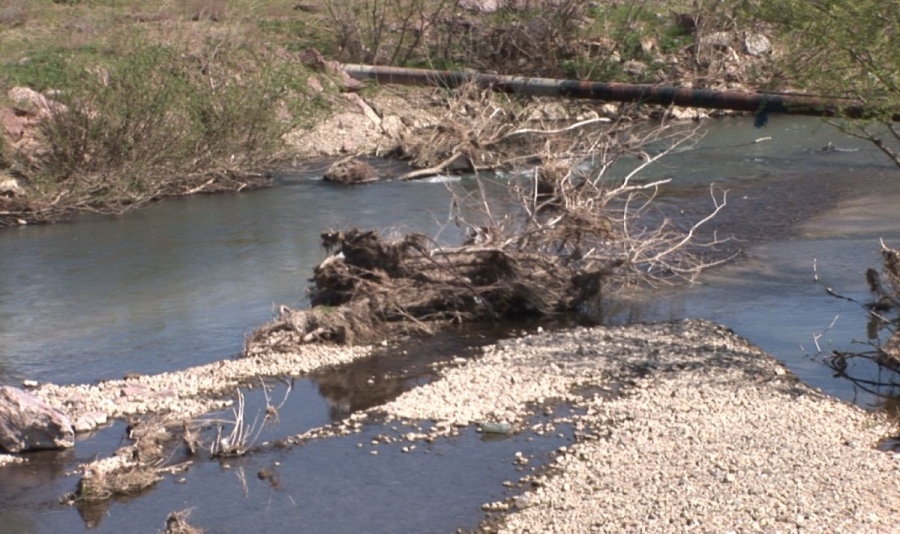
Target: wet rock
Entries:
(350, 171)
(177, 523)
(90, 421)
(27, 423)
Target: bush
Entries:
(144, 120)
(848, 49)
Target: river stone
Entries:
(27, 423)
(350, 171)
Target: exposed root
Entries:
(177, 523)
(578, 224)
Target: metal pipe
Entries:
(760, 103)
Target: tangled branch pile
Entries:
(568, 230)
(883, 332)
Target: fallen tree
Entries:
(579, 224)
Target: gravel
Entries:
(681, 427)
(688, 428)
(185, 393)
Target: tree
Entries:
(848, 48)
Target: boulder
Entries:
(32, 103)
(9, 187)
(757, 44)
(718, 40)
(350, 171)
(27, 423)
(481, 6)
(314, 60)
(634, 67)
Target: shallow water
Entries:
(182, 282)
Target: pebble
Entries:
(707, 408)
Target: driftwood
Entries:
(568, 233)
(369, 285)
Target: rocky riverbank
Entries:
(682, 426)
(678, 426)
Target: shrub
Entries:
(145, 119)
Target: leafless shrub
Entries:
(526, 36)
(243, 434)
(580, 222)
(883, 329)
(384, 31)
(582, 209)
(483, 130)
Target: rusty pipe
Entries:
(762, 103)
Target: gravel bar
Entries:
(189, 392)
(685, 427)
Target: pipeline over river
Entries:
(761, 103)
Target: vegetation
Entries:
(578, 223)
(144, 99)
(848, 49)
(137, 105)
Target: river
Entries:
(182, 283)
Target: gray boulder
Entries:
(27, 423)
(757, 44)
(350, 171)
(481, 6)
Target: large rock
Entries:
(350, 171)
(757, 44)
(481, 6)
(27, 423)
(27, 101)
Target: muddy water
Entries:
(182, 282)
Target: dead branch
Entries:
(570, 230)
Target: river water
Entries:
(182, 282)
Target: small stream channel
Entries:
(182, 282)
